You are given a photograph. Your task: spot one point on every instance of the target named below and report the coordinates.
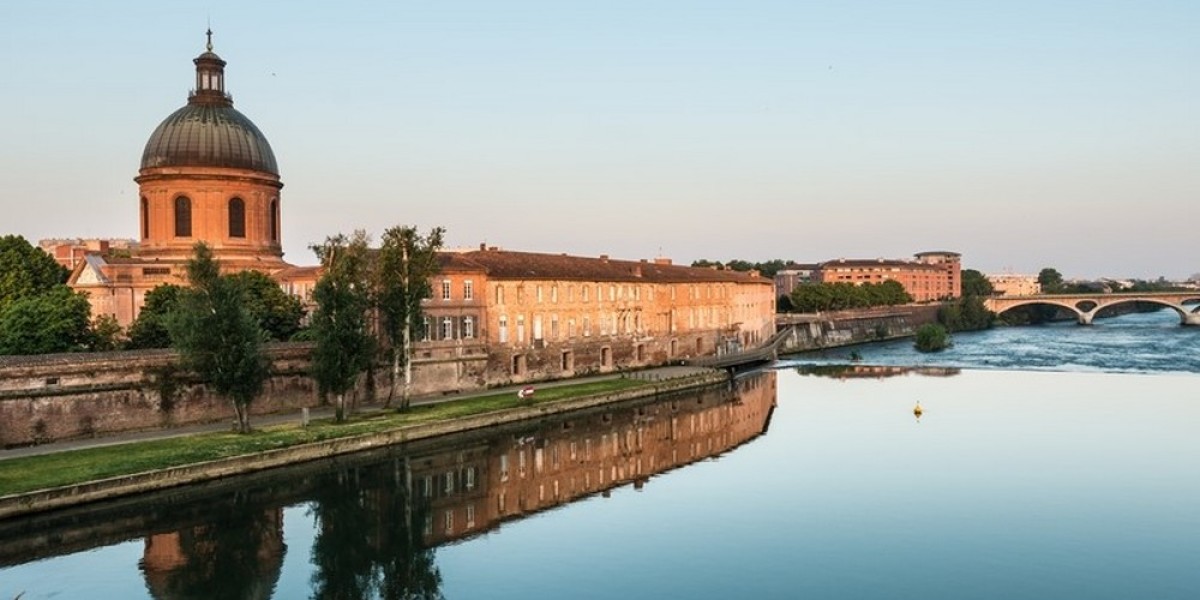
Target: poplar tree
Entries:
(217, 337)
(407, 260)
(339, 324)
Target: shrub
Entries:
(932, 338)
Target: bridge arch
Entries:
(1085, 307)
(1178, 308)
(1069, 307)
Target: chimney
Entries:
(662, 260)
(482, 246)
(603, 258)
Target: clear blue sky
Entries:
(1022, 134)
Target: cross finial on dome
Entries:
(209, 34)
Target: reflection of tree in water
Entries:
(236, 554)
(369, 542)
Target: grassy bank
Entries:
(31, 473)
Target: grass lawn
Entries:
(66, 468)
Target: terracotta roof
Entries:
(505, 264)
(880, 262)
(292, 272)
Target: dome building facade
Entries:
(207, 174)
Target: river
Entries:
(1048, 462)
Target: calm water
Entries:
(1055, 483)
(1135, 343)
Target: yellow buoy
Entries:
(917, 410)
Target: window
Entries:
(145, 219)
(520, 329)
(449, 479)
(499, 294)
(586, 290)
(183, 217)
(445, 289)
(539, 294)
(469, 328)
(237, 218)
(468, 290)
(425, 328)
(554, 327)
(274, 217)
(447, 328)
(554, 294)
(612, 293)
(503, 329)
(587, 326)
(537, 327)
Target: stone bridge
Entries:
(1085, 306)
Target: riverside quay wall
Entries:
(58, 397)
(847, 328)
(64, 396)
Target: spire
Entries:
(210, 78)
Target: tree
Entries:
(55, 320)
(26, 270)
(932, 338)
(277, 313)
(105, 334)
(149, 330)
(217, 337)
(1051, 280)
(975, 283)
(406, 262)
(339, 325)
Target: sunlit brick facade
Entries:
(932, 276)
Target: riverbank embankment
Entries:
(818, 331)
(26, 503)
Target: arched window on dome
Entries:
(274, 218)
(145, 219)
(237, 218)
(183, 217)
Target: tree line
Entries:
(818, 297)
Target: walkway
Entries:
(323, 412)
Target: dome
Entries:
(209, 135)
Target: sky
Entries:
(1022, 134)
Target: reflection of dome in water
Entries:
(239, 557)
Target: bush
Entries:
(932, 338)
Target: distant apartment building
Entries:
(1009, 284)
(932, 276)
(788, 278)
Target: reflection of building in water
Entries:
(240, 557)
(226, 540)
(874, 371)
(471, 491)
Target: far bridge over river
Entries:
(1086, 306)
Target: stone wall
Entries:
(58, 397)
(833, 330)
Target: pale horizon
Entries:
(1023, 135)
